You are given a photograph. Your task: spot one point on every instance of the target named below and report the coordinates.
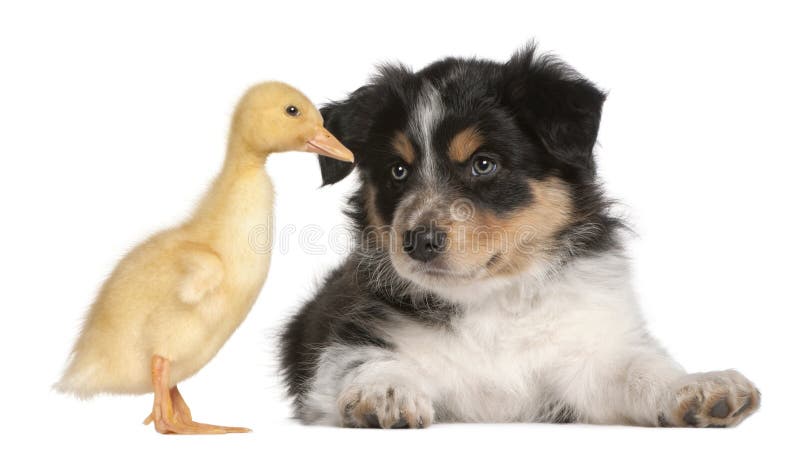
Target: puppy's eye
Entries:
(292, 110)
(482, 165)
(399, 172)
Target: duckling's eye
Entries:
(482, 165)
(399, 172)
(292, 110)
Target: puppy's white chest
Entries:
(487, 365)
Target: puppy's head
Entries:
(471, 169)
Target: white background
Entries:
(113, 119)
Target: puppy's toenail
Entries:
(372, 420)
(690, 418)
(720, 409)
(747, 404)
(400, 424)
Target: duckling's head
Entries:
(275, 117)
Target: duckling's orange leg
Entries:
(178, 405)
(170, 413)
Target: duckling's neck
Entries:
(241, 195)
(242, 157)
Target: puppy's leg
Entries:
(650, 389)
(363, 386)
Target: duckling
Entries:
(175, 299)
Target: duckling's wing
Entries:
(202, 272)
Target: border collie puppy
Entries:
(489, 281)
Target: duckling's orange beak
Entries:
(324, 143)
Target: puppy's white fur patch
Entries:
(426, 117)
(575, 343)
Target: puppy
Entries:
(489, 281)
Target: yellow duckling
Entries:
(175, 299)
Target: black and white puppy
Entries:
(490, 283)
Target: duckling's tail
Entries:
(79, 382)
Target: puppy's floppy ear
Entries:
(350, 120)
(332, 170)
(372, 110)
(555, 104)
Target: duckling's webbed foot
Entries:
(171, 414)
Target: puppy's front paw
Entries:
(715, 399)
(384, 406)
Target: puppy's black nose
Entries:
(424, 243)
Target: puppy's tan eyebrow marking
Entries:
(403, 147)
(464, 144)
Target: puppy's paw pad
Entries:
(716, 399)
(720, 409)
(386, 407)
